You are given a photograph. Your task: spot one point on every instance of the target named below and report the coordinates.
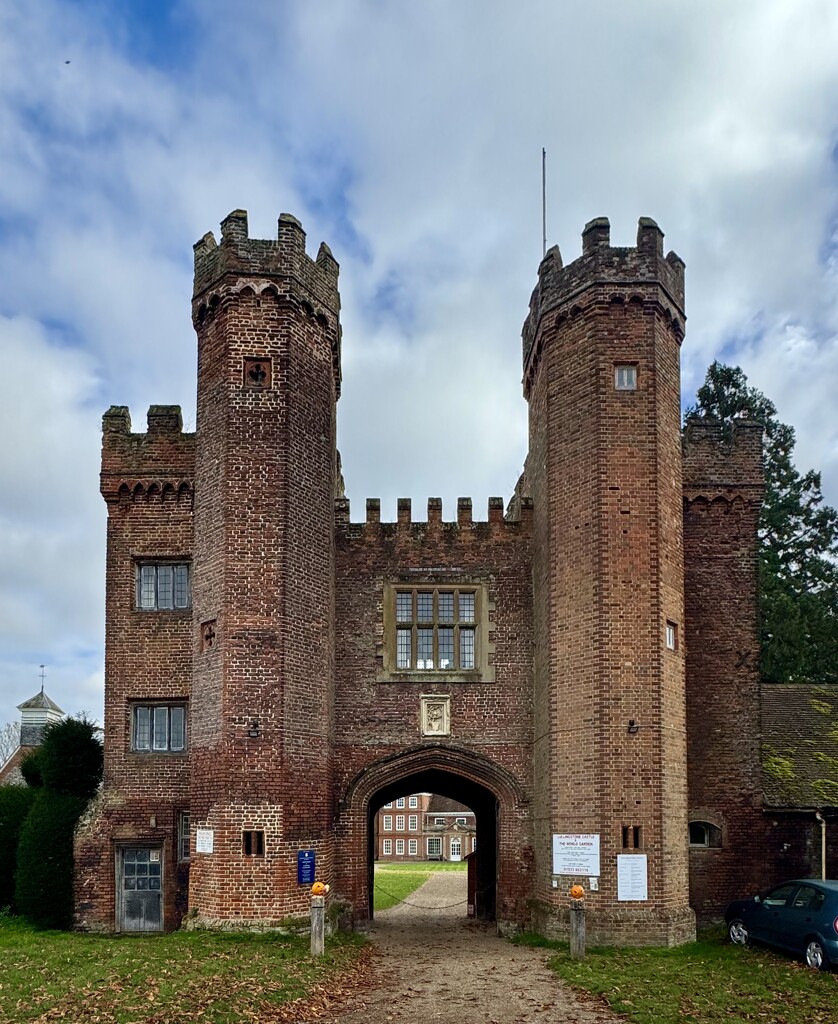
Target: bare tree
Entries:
(9, 740)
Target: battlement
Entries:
(625, 274)
(284, 258)
(406, 524)
(160, 459)
(718, 456)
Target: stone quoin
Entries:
(582, 661)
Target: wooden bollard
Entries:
(317, 925)
(577, 930)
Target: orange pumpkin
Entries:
(319, 889)
(576, 892)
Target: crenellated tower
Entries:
(267, 319)
(601, 375)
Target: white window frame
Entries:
(389, 803)
(460, 821)
(387, 823)
(386, 847)
(439, 821)
(455, 840)
(183, 848)
(151, 727)
(625, 377)
(413, 847)
(400, 823)
(400, 802)
(400, 847)
(413, 823)
(413, 802)
(436, 841)
(147, 592)
(671, 635)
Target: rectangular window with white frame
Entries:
(400, 823)
(400, 847)
(183, 836)
(387, 847)
(163, 586)
(413, 802)
(387, 823)
(413, 823)
(434, 844)
(158, 728)
(413, 847)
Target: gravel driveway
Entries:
(437, 965)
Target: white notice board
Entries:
(576, 854)
(204, 840)
(632, 876)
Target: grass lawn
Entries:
(170, 979)
(395, 882)
(706, 981)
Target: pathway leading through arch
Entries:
(436, 965)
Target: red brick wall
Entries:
(377, 718)
(264, 573)
(146, 482)
(722, 496)
(604, 470)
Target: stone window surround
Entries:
(484, 670)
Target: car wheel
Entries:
(815, 955)
(738, 932)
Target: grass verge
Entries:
(395, 882)
(185, 976)
(705, 982)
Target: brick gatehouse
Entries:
(564, 663)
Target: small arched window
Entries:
(703, 834)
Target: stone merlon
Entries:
(601, 265)
(281, 260)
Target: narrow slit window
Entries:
(253, 843)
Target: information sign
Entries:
(305, 867)
(204, 840)
(632, 877)
(576, 854)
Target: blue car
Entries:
(800, 916)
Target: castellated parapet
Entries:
(603, 274)
(271, 270)
(159, 462)
(721, 459)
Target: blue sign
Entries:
(305, 867)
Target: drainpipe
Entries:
(820, 818)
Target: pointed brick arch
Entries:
(488, 789)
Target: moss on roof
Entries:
(800, 745)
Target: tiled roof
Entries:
(40, 700)
(445, 805)
(10, 771)
(800, 745)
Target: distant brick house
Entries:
(579, 667)
(35, 713)
(424, 826)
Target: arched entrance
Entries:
(448, 771)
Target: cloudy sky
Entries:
(408, 135)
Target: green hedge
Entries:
(15, 803)
(44, 877)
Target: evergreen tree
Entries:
(68, 768)
(798, 541)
